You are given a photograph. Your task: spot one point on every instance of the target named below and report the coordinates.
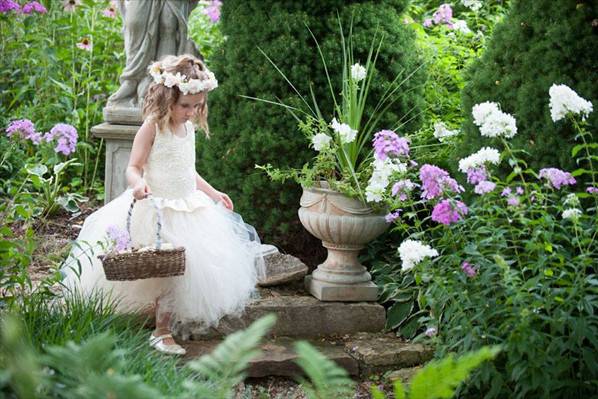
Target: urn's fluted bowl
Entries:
(338, 220)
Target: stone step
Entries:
(361, 354)
(281, 268)
(298, 315)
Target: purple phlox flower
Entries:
(435, 181)
(506, 192)
(447, 211)
(469, 269)
(121, 237)
(592, 190)
(557, 177)
(476, 175)
(427, 22)
(388, 143)
(519, 190)
(444, 14)
(513, 201)
(7, 6)
(391, 217)
(484, 187)
(431, 331)
(24, 128)
(34, 6)
(402, 188)
(213, 10)
(67, 138)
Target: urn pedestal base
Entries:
(330, 292)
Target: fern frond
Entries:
(327, 379)
(439, 379)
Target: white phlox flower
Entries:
(473, 5)
(358, 72)
(492, 121)
(412, 252)
(461, 26)
(383, 170)
(571, 200)
(441, 131)
(483, 156)
(571, 213)
(321, 141)
(345, 132)
(564, 100)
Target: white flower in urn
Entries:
(358, 72)
(321, 141)
(345, 132)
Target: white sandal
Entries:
(158, 344)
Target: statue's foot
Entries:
(125, 94)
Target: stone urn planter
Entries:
(345, 225)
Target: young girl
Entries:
(222, 253)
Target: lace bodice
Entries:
(170, 167)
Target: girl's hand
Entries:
(141, 190)
(228, 203)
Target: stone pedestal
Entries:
(118, 140)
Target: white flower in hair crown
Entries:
(186, 86)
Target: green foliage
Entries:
(439, 378)
(205, 33)
(46, 78)
(224, 368)
(529, 51)
(533, 286)
(326, 378)
(246, 133)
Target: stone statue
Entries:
(152, 29)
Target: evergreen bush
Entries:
(246, 133)
(539, 43)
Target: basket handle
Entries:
(158, 213)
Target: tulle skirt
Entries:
(223, 258)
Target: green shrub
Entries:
(539, 43)
(245, 133)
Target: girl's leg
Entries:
(163, 323)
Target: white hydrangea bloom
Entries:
(345, 132)
(358, 72)
(480, 158)
(482, 111)
(441, 131)
(413, 252)
(321, 141)
(473, 5)
(461, 26)
(564, 100)
(572, 213)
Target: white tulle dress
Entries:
(223, 260)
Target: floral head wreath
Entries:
(185, 85)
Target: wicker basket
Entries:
(137, 265)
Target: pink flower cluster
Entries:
(447, 211)
(7, 6)
(556, 177)
(444, 15)
(119, 236)
(476, 175)
(437, 181)
(25, 129)
(213, 10)
(67, 138)
(391, 217)
(469, 269)
(66, 135)
(388, 143)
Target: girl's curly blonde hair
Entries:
(160, 99)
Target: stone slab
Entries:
(377, 353)
(297, 316)
(325, 291)
(404, 375)
(123, 115)
(281, 269)
(278, 357)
